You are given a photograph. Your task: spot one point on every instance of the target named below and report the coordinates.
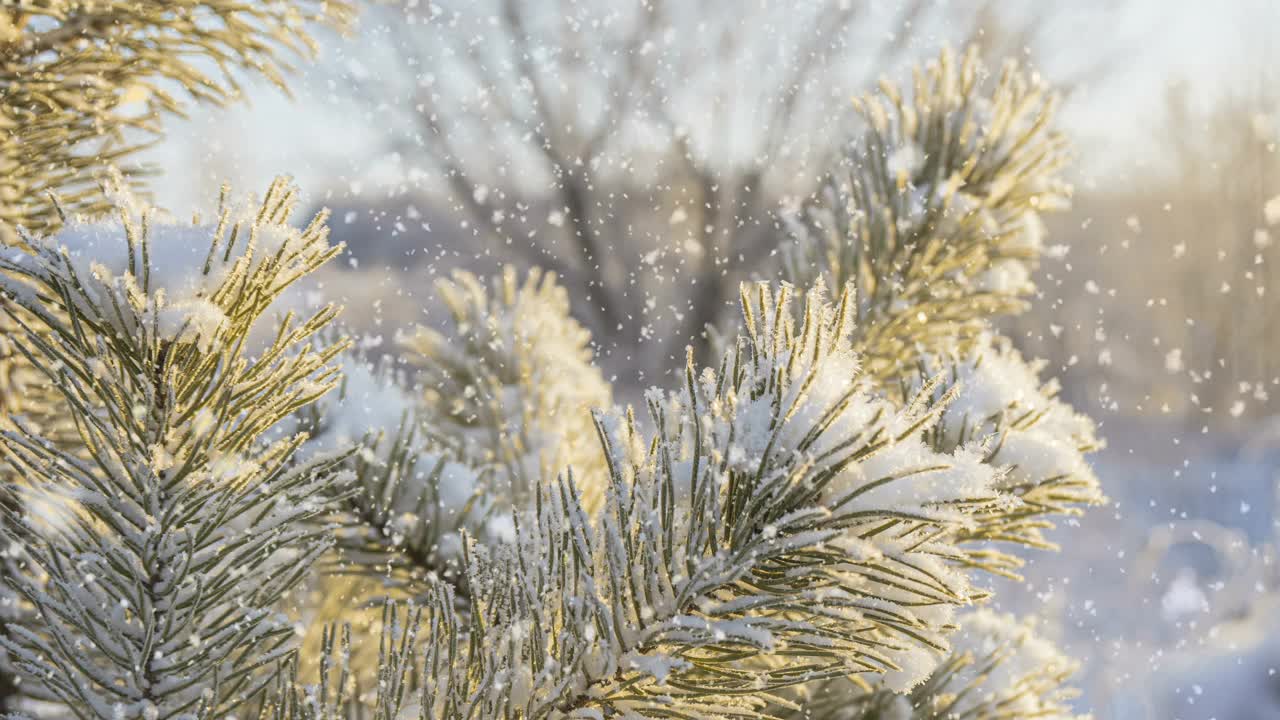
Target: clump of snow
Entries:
(370, 401)
(194, 320)
(798, 400)
(1030, 234)
(158, 272)
(905, 161)
(1011, 671)
(1002, 397)
(1006, 277)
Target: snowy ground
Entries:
(1169, 594)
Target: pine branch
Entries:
(501, 402)
(401, 528)
(511, 382)
(934, 213)
(1038, 441)
(780, 527)
(26, 394)
(341, 697)
(156, 561)
(414, 496)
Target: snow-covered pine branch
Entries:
(1038, 441)
(511, 382)
(500, 403)
(415, 495)
(789, 522)
(25, 393)
(781, 525)
(934, 212)
(401, 527)
(338, 692)
(156, 557)
(934, 215)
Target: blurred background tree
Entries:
(594, 139)
(1194, 334)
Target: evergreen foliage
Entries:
(934, 212)
(156, 561)
(497, 384)
(488, 418)
(472, 529)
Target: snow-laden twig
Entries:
(155, 555)
(782, 525)
(934, 211)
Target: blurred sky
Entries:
(327, 139)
